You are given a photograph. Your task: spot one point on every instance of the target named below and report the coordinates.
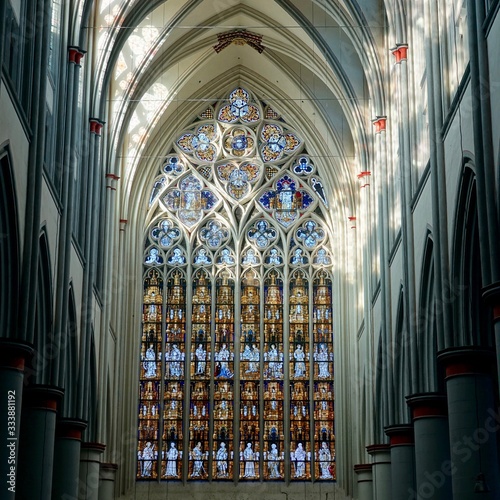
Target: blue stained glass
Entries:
(209, 199)
(286, 202)
(310, 234)
(214, 233)
(202, 257)
(165, 233)
(173, 166)
(274, 257)
(190, 183)
(153, 257)
(303, 167)
(240, 142)
(177, 257)
(239, 108)
(250, 258)
(298, 258)
(226, 257)
(158, 186)
(322, 258)
(276, 143)
(262, 233)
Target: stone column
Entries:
(90, 461)
(13, 356)
(67, 458)
(107, 481)
(381, 468)
(402, 460)
(36, 445)
(473, 421)
(433, 466)
(365, 481)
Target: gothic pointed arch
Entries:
(9, 247)
(71, 360)
(471, 320)
(41, 362)
(426, 324)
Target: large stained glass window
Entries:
(236, 368)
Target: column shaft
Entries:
(473, 420)
(402, 460)
(381, 467)
(12, 359)
(67, 458)
(107, 481)
(433, 466)
(36, 445)
(365, 481)
(90, 462)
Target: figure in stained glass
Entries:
(322, 258)
(202, 257)
(310, 234)
(197, 456)
(262, 233)
(299, 458)
(248, 457)
(175, 358)
(201, 357)
(221, 458)
(172, 461)
(300, 366)
(223, 357)
(226, 257)
(149, 363)
(274, 257)
(273, 464)
(153, 257)
(325, 458)
(298, 258)
(322, 359)
(177, 257)
(250, 258)
(148, 456)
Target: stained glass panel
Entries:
(149, 398)
(235, 328)
(175, 335)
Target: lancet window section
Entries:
(150, 375)
(299, 355)
(174, 389)
(223, 434)
(250, 376)
(324, 414)
(274, 433)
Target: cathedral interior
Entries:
(249, 248)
